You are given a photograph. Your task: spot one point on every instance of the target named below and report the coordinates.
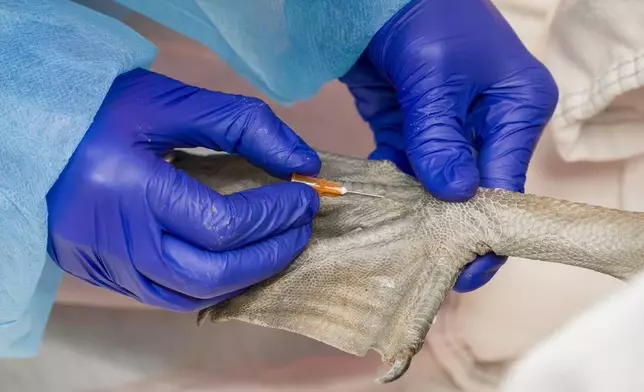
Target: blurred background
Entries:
(100, 341)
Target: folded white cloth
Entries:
(595, 51)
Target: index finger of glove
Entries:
(509, 122)
(438, 148)
(189, 210)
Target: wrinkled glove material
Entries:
(122, 218)
(58, 59)
(286, 48)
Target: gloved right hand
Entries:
(121, 217)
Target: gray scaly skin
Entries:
(377, 270)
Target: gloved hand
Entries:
(454, 98)
(121, 217)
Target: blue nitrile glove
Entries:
(454, 98)
(123, 218)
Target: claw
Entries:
(201, 318)
(397, 370)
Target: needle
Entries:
(326, 187)
(362, 193)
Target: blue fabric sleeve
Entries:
(57, 61)
(287, 48)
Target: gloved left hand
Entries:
(455, 99)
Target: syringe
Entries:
(325, 187)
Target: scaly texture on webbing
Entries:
(377, 269)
